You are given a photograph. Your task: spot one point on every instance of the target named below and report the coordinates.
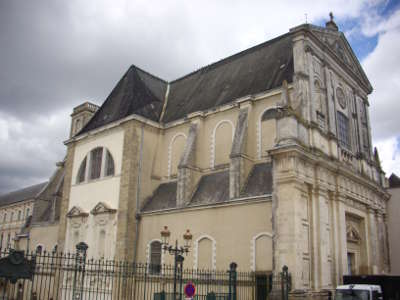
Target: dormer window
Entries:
(97, 164)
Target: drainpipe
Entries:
(138, 183)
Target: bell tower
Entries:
(81, 115)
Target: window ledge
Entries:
(96, 180)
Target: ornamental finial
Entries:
(331, 16)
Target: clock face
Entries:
(341, 98)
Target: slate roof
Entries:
(252, 71)
(394, 181)
(164, 197)
(212, 188)
(259, 181)
(22, 194)
(138, 92)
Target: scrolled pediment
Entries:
(102, 208)
(76, 211)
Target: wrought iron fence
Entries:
(74, 276)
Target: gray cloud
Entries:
(56, 54)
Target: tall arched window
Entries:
(267, 131)
(320, 104)
(343, 130)
(263, 253)
(155, 258)
(221, 143)
(175, 150)
(95, 163)
(82, 171)
(98, 163)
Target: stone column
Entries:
(62, 228)
(331, 102)
(373, 242)
(126, 219)
(289, 237)
(340, 237)
(382, 242)
(187, 168)
(237, 174)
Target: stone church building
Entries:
(265, 156)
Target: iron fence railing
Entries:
(73, 276)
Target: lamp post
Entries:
(176, 251)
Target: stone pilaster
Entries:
(341, 255)
(322, 261)
(186, 169)
(62, 228)
(373, 242)
(289, 237)
(126, 220)
(331, 102)
(382, 242)
(237, 175)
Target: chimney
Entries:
(81, 115)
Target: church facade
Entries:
(264, 156)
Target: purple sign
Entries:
(190, 290)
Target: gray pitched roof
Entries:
(22, 194)
(138, 92)
(394, 181)
(252, 71)
(259, 181)
(212, 188)
(164, 197)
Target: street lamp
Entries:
(176, 250)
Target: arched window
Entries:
(39, 249)
(155, 258)
(1, 240)
(95, 163)
(205, 253)
(262, 252)
(27, 212)
(19, 215)
(82, 172)
(343, 130)
(175, 150)
(109, 164)
(320, 104)
(11, 216)
(221, 146)
(5, 218)
(267, 131)
(99, 162)
(8, 240)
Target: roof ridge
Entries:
(148, 73)
(24, 188)
(233, 56)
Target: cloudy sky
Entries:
(56, 54)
